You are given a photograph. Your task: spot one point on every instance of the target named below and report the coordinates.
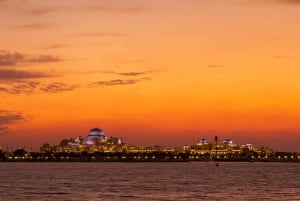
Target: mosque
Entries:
(94, 135)
(93, 142)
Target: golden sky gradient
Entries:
(152, 72)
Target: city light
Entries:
(98, 147)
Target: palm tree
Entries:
(216, 140)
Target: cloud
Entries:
(43, 11)
(31, 87)
(12, 74)
(18, 1)
(20, 88)
(3, 89)
(7, 118)
(56, 87)
(132, 73)
(10, 59)
(296, 2)
(119, 8)
(285, 57)
(103, 34)
(43, 59)
(3, 2)
(13, 58)
(112, 83)
(215, 66)
(288, 2)
(35, 26)
(117, 82)
(54, 46)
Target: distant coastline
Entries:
(97, 147)
(21, 156)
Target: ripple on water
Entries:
(149, 181)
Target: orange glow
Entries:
(152, 72)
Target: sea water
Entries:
(149, 181)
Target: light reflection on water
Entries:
(150, 181)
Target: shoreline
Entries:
(89, 160)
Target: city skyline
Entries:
(88, 140)
(98, 147)
(151, 72)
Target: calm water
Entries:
(149, 181)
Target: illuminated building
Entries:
(202, 147)
(227, 141)
(227, 147)
(247, 146)
(95, 141)
(95, 133)
(202, 141)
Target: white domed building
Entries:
(95, 133)
(95, 141)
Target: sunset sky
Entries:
(151, 72)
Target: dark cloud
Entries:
(12, 74)
(56, 87)
(7, 118)
(20, 88)
(13, 58)
(132, 73)
(117, 82)
(10, 59)
(113, 83)
(4, 89)
(31, 87)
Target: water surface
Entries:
(149, 181)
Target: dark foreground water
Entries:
(149, 181)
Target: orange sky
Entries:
(152, 72)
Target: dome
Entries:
(96, 132)
(203, 141)
(227, 141)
